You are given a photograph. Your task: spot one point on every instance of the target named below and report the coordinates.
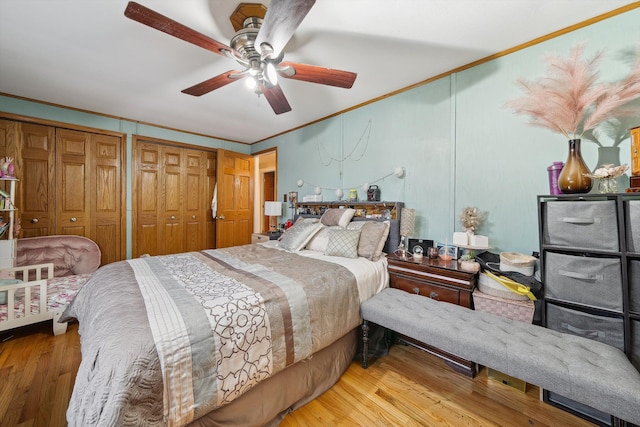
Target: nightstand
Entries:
(439, 280)
(263, 237)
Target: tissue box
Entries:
(479, 241)
(460, 238)
(312, 198)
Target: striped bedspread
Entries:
(202, 328)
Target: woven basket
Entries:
(521, 311)
(514, 261)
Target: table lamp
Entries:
(272, 209)
(407, 224)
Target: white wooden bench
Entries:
(586, 371)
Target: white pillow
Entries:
(296, 237)
(320, 240)
(343, 243)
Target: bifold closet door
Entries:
(171, 185)
(36, 192)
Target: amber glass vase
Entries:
(572, 179)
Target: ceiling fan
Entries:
(257, 45)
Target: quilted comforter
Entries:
(168, 339)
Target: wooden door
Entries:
(210, 228)
(35, 168)
(73, 187)
(172, 178)
(146, 197)
(106, 200)
(235, 199)
(194, 207)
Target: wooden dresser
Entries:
(439, 280)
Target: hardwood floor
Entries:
(405, 388)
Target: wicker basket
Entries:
(513, 309)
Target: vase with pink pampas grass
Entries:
(571, 101)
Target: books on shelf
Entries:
(6, 203)
(3, 228)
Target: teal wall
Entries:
(130, 128)
(457, 142)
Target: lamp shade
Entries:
(272, 208)
(407, 221)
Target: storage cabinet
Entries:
(590, 265)
(439, 280)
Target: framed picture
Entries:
(293, 198)
(423, 243)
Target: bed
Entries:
(228, 337)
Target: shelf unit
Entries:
(381, 209)
(590, 265)
(8, 212)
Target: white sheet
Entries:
(371, 276)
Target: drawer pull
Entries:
(433, 295)
(416, 291)
(581, 276)
(572, 220)
(589, 333)
(34, 221)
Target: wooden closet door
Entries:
(194, 209)
(106, 200)
(73, 186)
(146, 231)
(172, 181)
(35, 168)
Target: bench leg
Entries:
(365, 344)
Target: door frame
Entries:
(271, 154)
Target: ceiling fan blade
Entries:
(280, 22)
(153, 19)
(276, 99)
(214, 83)
(315, 74)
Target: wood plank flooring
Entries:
(405, 388)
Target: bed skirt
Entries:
(270, 401)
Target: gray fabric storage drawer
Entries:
(607, 330)
(595, 282)
(635, 343)
(634, 285)
(582, 224)
(633, 225)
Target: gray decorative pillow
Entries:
(343, 243)
(373, 235)
(339, 217)
(296, 237)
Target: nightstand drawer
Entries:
(435, 292)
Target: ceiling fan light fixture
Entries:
(251, 82)
(270, 74)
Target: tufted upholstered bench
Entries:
(580, 369)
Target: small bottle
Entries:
(554, 172)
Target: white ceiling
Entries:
(86, 54)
